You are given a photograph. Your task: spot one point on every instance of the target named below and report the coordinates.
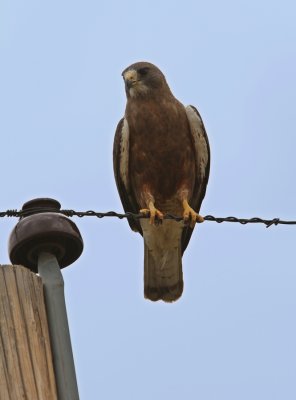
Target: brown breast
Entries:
(161, 154)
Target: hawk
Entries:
(161, 160)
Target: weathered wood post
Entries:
(26, 368)
(43, 241)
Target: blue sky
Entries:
(232, 334)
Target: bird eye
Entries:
(143, 71)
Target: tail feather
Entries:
(163, 277)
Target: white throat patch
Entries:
(138, 89)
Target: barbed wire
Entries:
(90, 213)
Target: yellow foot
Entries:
(190, 216)
(156, 216)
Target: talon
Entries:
(144, 211)
(156, 216)
(190, 216)
(199, 218)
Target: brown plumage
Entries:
(161, 165)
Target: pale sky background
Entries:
(232, 336)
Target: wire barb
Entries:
(9, 213)
(90, 213)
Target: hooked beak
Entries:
(130, 78)
(129, 83)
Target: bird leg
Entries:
(189, 215)
(156, 216)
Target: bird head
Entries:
(144, 79)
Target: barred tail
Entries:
(163, 277)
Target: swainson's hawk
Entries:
(161, 163)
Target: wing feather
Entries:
(121, 172)
(202, 165)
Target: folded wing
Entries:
(201, 148)
(121, 172)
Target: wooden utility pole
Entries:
(26, 367)
(36, 360)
